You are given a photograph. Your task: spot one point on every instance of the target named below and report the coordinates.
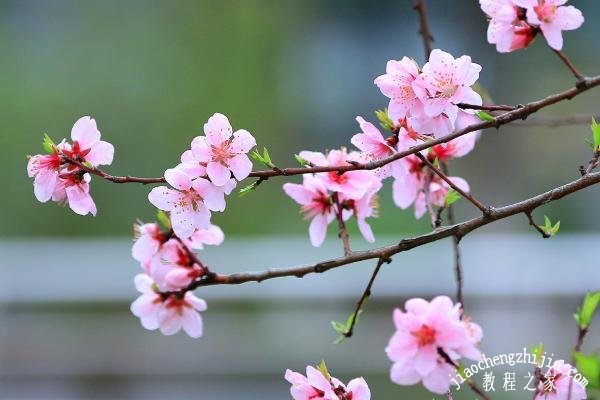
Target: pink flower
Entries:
(315, 386)
(172, 267)
(316, 203)
(213, 235)
(149, 238)
(559, 378)
(352, 184)
(423, 334)
(552, 18)
(168, 313)
(87, 145)
(374, 146)
(396, 84)
(458, 147)
(44, 169)
(507, 29)
(222, 153)
(189, 203)
(74, 188)
(445, 82)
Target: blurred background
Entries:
(295, 74)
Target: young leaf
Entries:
(163, 219)
(596, 134)
(589, 367)
(48, 144)
(322, 367)
(548, 228)
(263, 158)
(301, 160)
(384, 120)
(484, 116)
(537, 351)
(451, 197)
(586, 312)
(245, 190)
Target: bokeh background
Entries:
(295, 74)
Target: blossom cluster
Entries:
(423, 104)
(558, 383)
(429, 340)
(515, 23)
(208, 171)
(318, 385)
(64, 182)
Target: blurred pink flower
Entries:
(558, 379)
(314, 386)
(87, 145)
(552, 17)
(507, 29)
(423, 332)
(222, 153)
(374, 146)
(44, 168)
(74, 189)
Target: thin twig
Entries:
(486, 107)
(433, 216)
(458, 270)
(569, 64)
(581, 333)
(343, 231)
(592, 164)
(461, 230)
(419, 6)
(366, 294)
(544, 234)
(483, 208)
(502, 119)
(472, 385)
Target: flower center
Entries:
(545, 12)
(425, 336)
(221, 153)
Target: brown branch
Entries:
(472, 385)
(557, 121)
(365, 295)
(458, 271)
(419, 6)
(484, 209)
(486, 107)
(343, 231)
(569, 64)
(536, 226)
(520, 113)
(592, 164)
(581, 333)
(460, 230)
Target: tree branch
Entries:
(569, 64)
(536, 226)
(459, 230)
(419, 6)
(343, 231)
(365, 295)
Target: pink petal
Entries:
(365, 230)
(44, 185)
(240, 165)
(438, 380)
(359, 389)
(314, 157)
(404, 374)
(143, 283)
(218, 173)
(146, 309)
(101, 153)
(425, 360)
(80, 200)
(183, 221)
(164, 198)
(318, 230)
(213, 197)
(201, 149)
(197, 303)
(217, 129)
(242, 142)
(85, 132)
(299, 193)
(192, 323)
(169, 321)
(178, 179)
(144, 248)
(553, 35)
(568, 18)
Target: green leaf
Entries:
(322, 367)
(163, 219)
(343, 328)
(245, 190)
(301, 160)
(484, 116)
(596, 134)
(589, 367)
(451, 197)
(538, 351)
(548, 228)
(48, 144)
(586, 312)
(384, 120)
(264, 158)
(460, 369)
